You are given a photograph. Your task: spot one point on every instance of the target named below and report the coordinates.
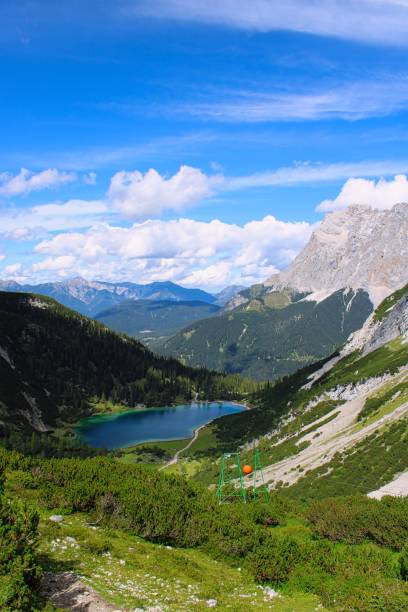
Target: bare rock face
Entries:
(393, 326)
(375, 333)
(358, 247)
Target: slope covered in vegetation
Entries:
(317, 427)
(153, 321)
(54, 363)
(272, 334)
(293, 549)
(141, 537)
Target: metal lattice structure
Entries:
(231, 481)
(261, 491)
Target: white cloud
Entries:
(27, 181)
(210, 254)
(351, 102)
(51, 217)
(372, 21)
(13, 269)
(306, 172)
(23, 234)
(64, 263)
(381, 194)
(141, 196)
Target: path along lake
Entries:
(151, 424)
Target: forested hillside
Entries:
(54, 363)
(272, 334)
(153, 321)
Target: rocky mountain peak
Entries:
(359, 247)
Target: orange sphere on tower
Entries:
(247, 469)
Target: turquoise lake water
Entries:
(149, 425)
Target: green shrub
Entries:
(332, 556)
(20, 574)
(275, 559)
(404, 562)
(355, 519)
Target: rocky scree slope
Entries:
(351, 407)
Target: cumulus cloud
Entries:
(381, 194)
(63, 263)
(384, 21)
(26, 181)
(210, 254)
(139, 196)
(91, 241)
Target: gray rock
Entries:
(391, 327)
(358, 247)
(56, 518)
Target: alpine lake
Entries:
(125, 429)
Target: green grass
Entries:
(389, 302)
(129, 572)
(388, 358)
(206, 442)
(152, 452)
(387, 400)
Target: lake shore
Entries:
(133, 428)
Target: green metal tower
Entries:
(231, 481)
(261, 491)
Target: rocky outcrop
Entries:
(358, 247)
(391, 327)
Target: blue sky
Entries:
(190, 141)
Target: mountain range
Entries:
(354, 259)
(93, 297)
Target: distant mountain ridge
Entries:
(91, 297)
(153, 321)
